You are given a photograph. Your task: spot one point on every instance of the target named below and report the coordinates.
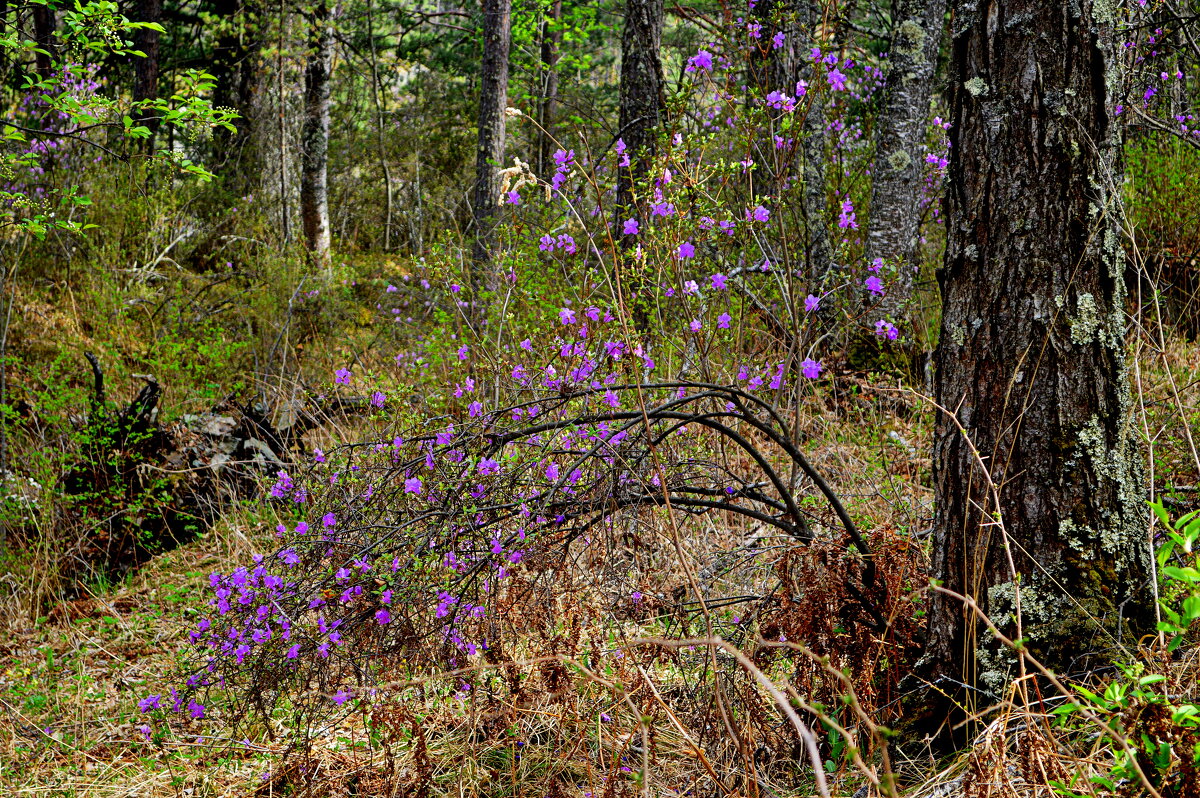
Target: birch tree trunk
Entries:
(314, 137)
(1032, 357)
(493, 99)
(917, 27)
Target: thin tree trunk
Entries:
(381, 142)
(234, 64)
(1031, 359)
(812, 146)
(145, 83)
(493, 100)
(314, 137)
(551, 42)
(642, 109)
(917, 27)
(44, 24)
(642, 101)
(281, 99)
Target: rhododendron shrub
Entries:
(426, 548)
(405, 547)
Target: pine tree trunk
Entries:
(896, 177)
(493, 100)
(145, 80)
(1032, 358)
(314, 138)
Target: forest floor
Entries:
(71, 675)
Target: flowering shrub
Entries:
(406, 546)
(426, 546)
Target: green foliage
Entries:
(1151, 706)
(90, 32)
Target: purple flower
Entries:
(341, 697)
(811, 303)
(318, 456)
(513, 198)
(462, 352)
(377, 399)
(758, 214)
(196, 710)
(719, 281)
(874, 284)
(723, 321)
(810, 368)
(149, 702)
(631, 227)
(341, 376)
(847, 217)
(687, 250)
(412, 485)
(885, 329)
(488, 467)
(695, 325)
(777, 40)
(474, 409)
(383, 616)
(566, 316)
(702, 61)
(836, 80)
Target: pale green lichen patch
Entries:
(1105, 11)
(910, 40)
(1086, 322)
(958, 334)
(977, 87)
(899, 160)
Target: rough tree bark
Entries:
(234, 64)
(314, 136)
(641, 97)
(493, 100)
(44, 23)
(145, 79)
(551, 43)
(917, 27)
(813, 132)
(799, 21)
(642, 108)
(1031, 359)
